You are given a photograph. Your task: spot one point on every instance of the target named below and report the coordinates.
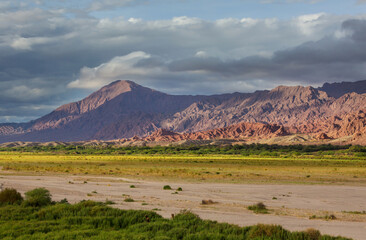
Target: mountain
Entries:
(339, 89)
(124, 109)
(120, 109)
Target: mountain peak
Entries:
(117, 87)
(300, 92)
(101, 96)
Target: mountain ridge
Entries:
(123, 109)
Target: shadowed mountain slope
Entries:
(339, 89)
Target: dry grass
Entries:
(236, 169)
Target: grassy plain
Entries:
(335, 167)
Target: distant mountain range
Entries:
(124, 109)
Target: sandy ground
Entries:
(291, 205)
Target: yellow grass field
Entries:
(309, 169)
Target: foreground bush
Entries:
(10, 196)
(92, 220)
(38, 197)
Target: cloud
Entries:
(50, 57)
(97, 5)
(118, 67)
(332, 58)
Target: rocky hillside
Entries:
(124, 109)
(237, 131)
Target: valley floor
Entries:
(294, 206)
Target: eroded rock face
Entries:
(237, 131)
(124, 109)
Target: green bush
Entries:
(313, 234)
(38, 197)
(10, 196)
(167, 187)
(258, 208)
(260, 231)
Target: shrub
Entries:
(260, 231)
(109, 202)
(207, 202)
(179, 189)
(313, 234)
(129, 200)
(330, 217)
(132, 186)
(64, 201)
(10, 196)
(167, 187)
(38, 197)
(258, 208)
(186, 215)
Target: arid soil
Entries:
(291, 206)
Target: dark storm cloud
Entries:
(329, 59)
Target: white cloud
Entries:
(121, 67)
(201, 54)
(307, 23)
(21, 43)
(24, 93)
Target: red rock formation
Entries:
(237, 131)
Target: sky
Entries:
(54, 52)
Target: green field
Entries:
(317, 165)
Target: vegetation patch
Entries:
(10, 196)
(38, 197)
(97, 221)
(109, 202)
(259, 208)
(325, 217)
(355, 212)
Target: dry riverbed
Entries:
(295, 207)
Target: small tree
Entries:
(38, 197)
(10, 196)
